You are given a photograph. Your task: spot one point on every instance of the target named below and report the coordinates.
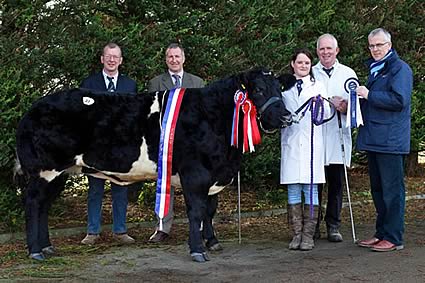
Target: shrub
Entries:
(50, 46)
(11, 209)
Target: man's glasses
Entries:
(378, 45)
(109, 57)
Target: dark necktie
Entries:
(111, 87)
(177, 83)
(299, 86)
(328, 71)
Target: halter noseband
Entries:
(269, 102)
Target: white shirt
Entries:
(114, 80)
(180, 74)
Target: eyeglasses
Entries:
(109, 57)
(378, 45)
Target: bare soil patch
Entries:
(262, 255)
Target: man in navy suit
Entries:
(109, 79)
(174, 77)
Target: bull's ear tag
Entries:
(88, 100)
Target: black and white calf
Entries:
(116, 136)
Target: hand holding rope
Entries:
(316, 105)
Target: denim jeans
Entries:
(386, 173)
(94, 206)
(294, 193)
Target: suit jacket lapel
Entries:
(166, 81)
(187, 81)
(100, 81)
(119, 83)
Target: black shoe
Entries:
(334, 235)
(158, 237)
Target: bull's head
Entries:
(265, 91)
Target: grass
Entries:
(72, 256)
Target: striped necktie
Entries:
(111, 86)
(177, 83)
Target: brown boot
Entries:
(295, 217)
(307, 242)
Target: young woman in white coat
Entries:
(302, 153)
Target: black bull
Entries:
(116, 137)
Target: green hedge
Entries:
(45, 48)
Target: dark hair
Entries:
(174, 45)
(307, 53)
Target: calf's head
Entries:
(265, 89)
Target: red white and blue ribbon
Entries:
(251, 133)
(165, 156)
(240, 97)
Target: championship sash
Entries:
(165, 155)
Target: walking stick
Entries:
(239, 207)
(353, 230)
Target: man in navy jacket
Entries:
(109, 79)
(386, 138)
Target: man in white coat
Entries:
(335, 76)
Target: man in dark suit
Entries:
(109, 79)
(174, 77)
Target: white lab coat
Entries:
(335, 87)
(296, 139)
